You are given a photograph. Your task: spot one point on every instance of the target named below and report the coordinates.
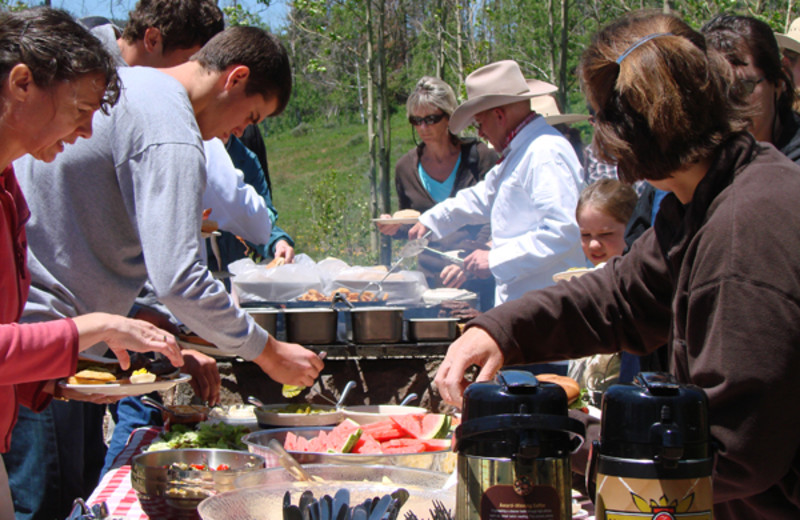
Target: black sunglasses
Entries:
(428, 120)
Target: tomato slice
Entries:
(223, 467)
(199, 467)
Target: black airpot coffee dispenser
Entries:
(654, 455)
(514, 446)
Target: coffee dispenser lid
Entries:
(654, 413)
(513, 391)
(517, 415)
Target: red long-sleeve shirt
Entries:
(29, 354)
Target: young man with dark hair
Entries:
(126, 207)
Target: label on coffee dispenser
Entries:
(522, 501)
(627, 498)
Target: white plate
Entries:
(125, 389)
(406, 220)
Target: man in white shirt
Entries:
(529, 197)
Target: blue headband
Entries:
(638, 44)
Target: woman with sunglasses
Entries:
(750, 47)
(53, 76)
(441, 165)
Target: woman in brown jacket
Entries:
(717, 278)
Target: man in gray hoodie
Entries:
(125, 206)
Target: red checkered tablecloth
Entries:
(115, 487)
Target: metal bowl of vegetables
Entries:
(171, 483)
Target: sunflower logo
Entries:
(661, 509)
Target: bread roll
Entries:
(569, 385)
(276, 262)
(406, 213)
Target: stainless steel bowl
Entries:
(432, 329)
(266, 318)
(311, 326)
(258, 442)
(165, 492)
(377, 324)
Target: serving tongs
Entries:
(451, 256)
(411, 249)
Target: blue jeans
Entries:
(129, 413)
(55, 457)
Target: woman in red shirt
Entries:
(53, 76)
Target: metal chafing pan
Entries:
(377, 324)
(432, 329)
(314, 326)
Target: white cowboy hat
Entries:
(495, 85)
(547, 107)
(790, 40)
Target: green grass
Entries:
(320, 185)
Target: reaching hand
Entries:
(474, 347)
(477, 263)
(284, 250)
(289, 363)
(418, 230)
(388, 229)
(205, 381)
(123, 334)
(453, 276)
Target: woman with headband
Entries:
(717, 278)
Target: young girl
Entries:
(603, 211)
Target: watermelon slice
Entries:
(342, 438)
(434, 426)
(383, 430)
(366, 444)
(403, 446)
(436, 444)
(290, 443)
(409, 423)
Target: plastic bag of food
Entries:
(256, 283)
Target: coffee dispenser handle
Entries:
(505, 422)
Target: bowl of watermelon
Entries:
(411, 441)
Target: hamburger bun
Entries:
(406, 213)
(276, 262)
(569, 385)
(98, 375)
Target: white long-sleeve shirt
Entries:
(235, 205)
(529, 199)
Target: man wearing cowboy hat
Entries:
(529, 197)
(790, 48)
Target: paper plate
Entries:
(127, 389)
(406, 220)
